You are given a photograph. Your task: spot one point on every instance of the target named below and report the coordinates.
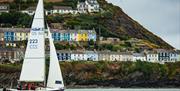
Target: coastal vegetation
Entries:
(106, 74)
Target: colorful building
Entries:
(56, 35)
(82, 35)
(91, 35)
(20, 34)
(73, 35)
(9, 36)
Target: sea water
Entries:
(120, 89)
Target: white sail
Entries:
(55, 79)
(33, 69)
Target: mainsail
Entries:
(33, 69)
(55, 79)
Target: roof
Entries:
(81, 4)
(104, 52)
(2, 30)
(62, 7)
(11, 49)
(63, 51)
(138, 54)
(31, 8)
(77, 52)
(151, 52)
(92, 2)
(162, 50)
(14, 30)
(90, 52)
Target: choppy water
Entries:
(120, 89)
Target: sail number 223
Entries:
(33, 43)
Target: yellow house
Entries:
(82, 35)
(21, 34)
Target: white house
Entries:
(91, 55)
(139, 56)
(173, 56)
(104, 55)
(126, 56)
(29, 11)
(178, 56)
(114, 56)
(78, 55)
(4, 8)
(152, 56)
(88, 6)
(81, 7)
(62, 10)
(92, 5)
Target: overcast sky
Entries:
(162, 17)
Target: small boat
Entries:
(33, 73)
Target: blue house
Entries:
(65, 35)
(56, 36)
(9, 36)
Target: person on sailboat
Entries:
(33, 86)
(19, 86)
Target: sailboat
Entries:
(33, 68)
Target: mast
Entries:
(33, 69)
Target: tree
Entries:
(91, 42)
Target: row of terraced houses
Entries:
(158, 56)
(20, 34)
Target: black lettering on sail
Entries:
(58, 82)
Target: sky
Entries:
(162, 17)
